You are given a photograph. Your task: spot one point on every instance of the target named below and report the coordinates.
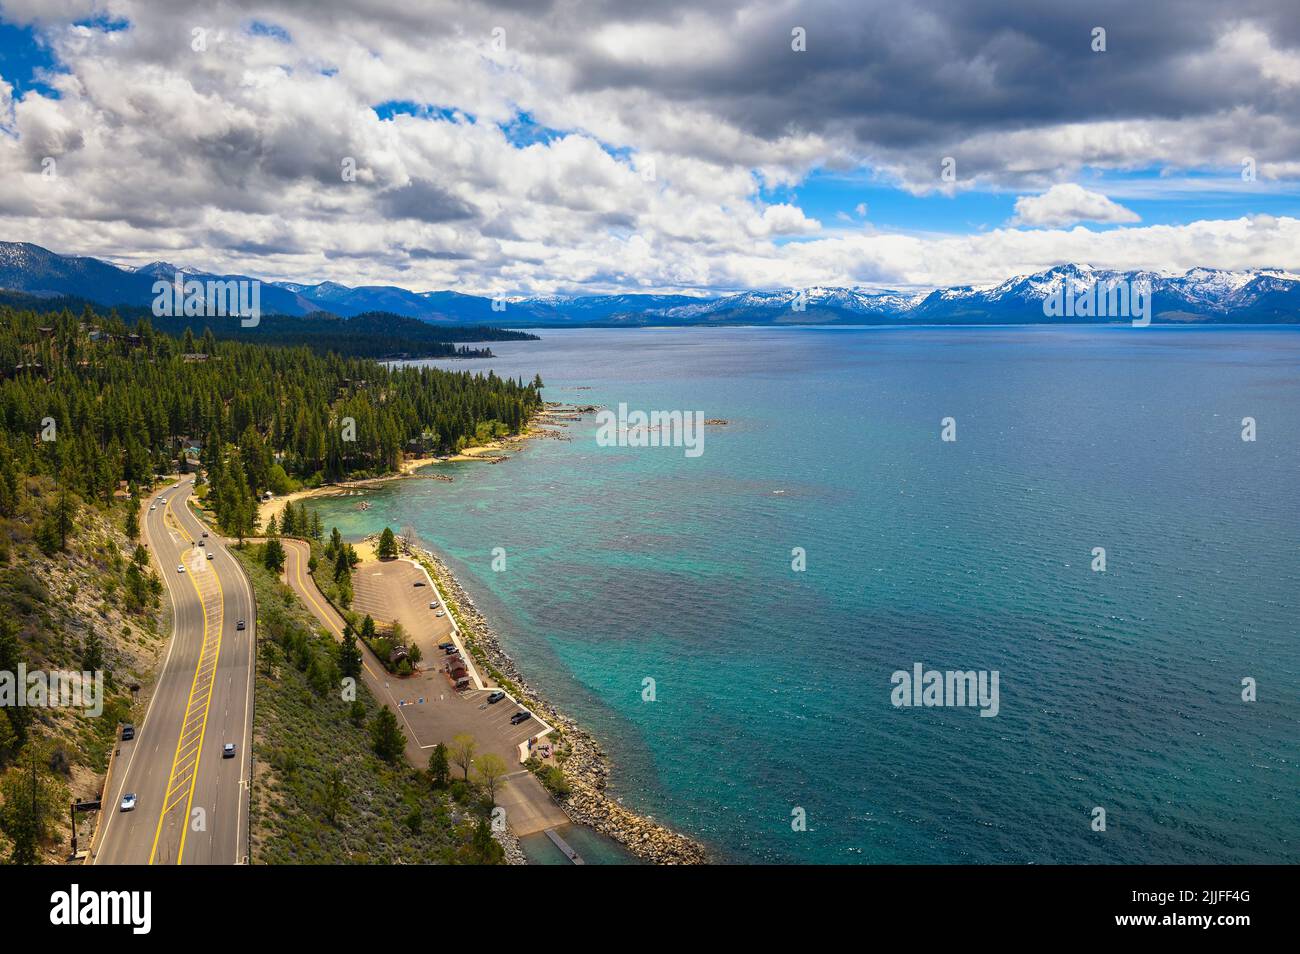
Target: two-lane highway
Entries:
(191, 800)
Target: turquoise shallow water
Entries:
(592, 848)
(1118, 689)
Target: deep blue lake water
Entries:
(1119, 689)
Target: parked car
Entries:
(239, 624)
(520, 717)
(496, 697)
(446, 645)
(128, 732)
(433, 604)
(128, 802)
(228, 750)
(449, 650)
(419, 582)
(439, 613)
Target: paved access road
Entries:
(202, 700)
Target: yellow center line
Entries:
(187, 719)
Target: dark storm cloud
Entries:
(421, 254)
(898, 75)
(426, 201)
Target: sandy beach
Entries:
(275, 506)
(491, 452)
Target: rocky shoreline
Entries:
(510, 844)
(586, 768)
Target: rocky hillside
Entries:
(72, 599)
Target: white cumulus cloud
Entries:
(1068, 204)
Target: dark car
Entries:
(450, 650)
(446, 645)
(239, 624)
(228, 750)
(496, 697)
(128, 733)
(419, 582)
(520, 717)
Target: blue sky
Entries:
(829, 196)
(23, 58)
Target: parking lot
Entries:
(387, 591)
(431, 707)
(431, 711)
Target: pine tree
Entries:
(439, 766)
(273, 555)
(349, 654)
(92, 653)
(386, 735)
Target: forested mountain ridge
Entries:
(374, 334)
(95, 403)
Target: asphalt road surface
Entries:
(191, 802)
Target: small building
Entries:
(458, 671)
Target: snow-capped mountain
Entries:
(1266, 295)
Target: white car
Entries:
(439, 613)
(128, 802)
(209, 556)
(180, 567)
(153, 506)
